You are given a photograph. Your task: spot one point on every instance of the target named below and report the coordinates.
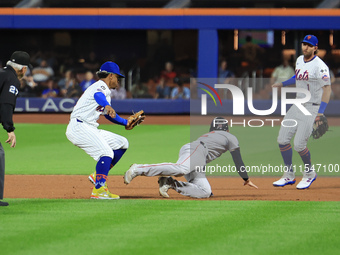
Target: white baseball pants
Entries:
(95, 142)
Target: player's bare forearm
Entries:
(326, 93)
(110, 111)
(277, 85)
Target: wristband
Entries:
(322, 108)
(118, 120)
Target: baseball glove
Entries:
(135, 120)
(320, 126)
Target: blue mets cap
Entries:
(311, 39)
(111, 67)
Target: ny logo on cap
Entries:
(309, 37)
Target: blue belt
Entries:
(79, 121)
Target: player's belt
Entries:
(203, 144)
(310, 104)
(78, 120)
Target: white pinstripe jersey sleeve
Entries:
(87, 109)
(312, 75)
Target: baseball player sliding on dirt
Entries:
(313, 74)
(191, 163)
(103, 146)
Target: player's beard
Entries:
(307, 55)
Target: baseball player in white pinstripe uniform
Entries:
(103, 146)
(191, 163)
(313, 74)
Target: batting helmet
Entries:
(219, 123)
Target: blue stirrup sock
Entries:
(287, 155)
(306, 158)
(102, 170)
(117, 154)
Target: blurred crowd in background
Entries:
(159, 67)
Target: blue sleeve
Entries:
(118, 120)
(288, 82)
(101, 99)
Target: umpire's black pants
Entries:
(2, 171)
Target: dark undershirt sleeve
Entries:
(7, 117)
(236, 154)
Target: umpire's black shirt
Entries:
(9, 85)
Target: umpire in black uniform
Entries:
(10, 77)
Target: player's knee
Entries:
(125, 143)
(183, 170)
(282, 140)
(2, 155)
(299, 147)
(206, 192)
(108, 153)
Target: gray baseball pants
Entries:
(191, 161)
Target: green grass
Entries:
(50, 226)
(40, 226)
(260, 148)
(44, 149)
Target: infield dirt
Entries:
(224, 188)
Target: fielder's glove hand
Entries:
(320, 126)
(135, 120)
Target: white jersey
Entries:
(87, 109)
(217, 143)
(311, 75)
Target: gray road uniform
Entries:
(191, 163)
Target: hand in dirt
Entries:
(249, 183)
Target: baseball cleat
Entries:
(307, 180)
(288, 178)
(164, 185)
(130, 174)
(92, 178)
(3, 203)
(103, 193)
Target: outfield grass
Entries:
(41, 226)
(44, 149)
(133, 226)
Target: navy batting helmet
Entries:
(219, 123)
